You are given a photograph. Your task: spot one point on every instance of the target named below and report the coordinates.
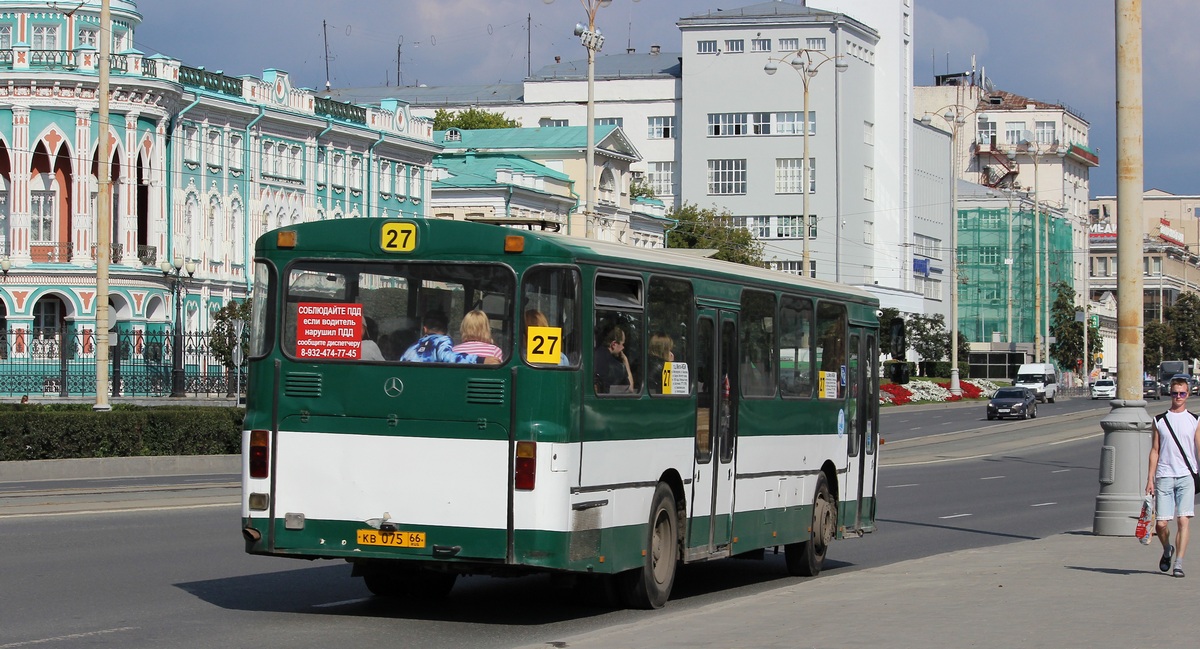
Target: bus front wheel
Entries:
(407, 582)
(805, 559)
(650, 586)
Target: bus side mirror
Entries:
(897, 340)
(898, 373)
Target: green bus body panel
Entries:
(620, 548)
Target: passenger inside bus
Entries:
(611, 365)
(370, 349)
(535, 318)
(434, 346)
(475, 336)
(661, 352)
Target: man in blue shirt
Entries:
(434, 346)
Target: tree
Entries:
(471, 119)
(928, 337)
(223, 339)
(640, 190)
(1184, 319)
(1067, 349)
(1156, 337)
(705, 228)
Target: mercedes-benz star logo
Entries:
(393, 387)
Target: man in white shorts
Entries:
(1172, 463)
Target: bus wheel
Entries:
(406, 582)
(650, 585)
(804, 559)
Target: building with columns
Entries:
(201, 164)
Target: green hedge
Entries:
(58, 431)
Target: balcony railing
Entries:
(148, 255)
(54, 59)
(213, 81)
(50, 252)
(118, 251)
(340, 110)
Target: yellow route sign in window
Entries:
(543, 345)
(398, 236)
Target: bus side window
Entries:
(795, 347)
(617, 353)
(550, 322)
(757, 357)
(669, 309)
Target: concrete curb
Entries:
(119, 467)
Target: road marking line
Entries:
(342, 603)
(1064, 471)
(897, 486)
(993, 477)
(1075, 439)
(953, 516)
(114, 511)
(73, 636)
(1044, 505)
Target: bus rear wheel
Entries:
(407, 582)
(805, 559)
(650, 586)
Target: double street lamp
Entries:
(592, 40)
(802, 61)
(172, 271)
(955, 116)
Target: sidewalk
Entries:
(1070, 590)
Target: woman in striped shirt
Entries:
(475, 334)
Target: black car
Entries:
(1012, 402)
(1150, 390)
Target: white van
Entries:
(1041, 377)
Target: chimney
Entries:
(655, 49)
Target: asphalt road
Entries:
(174, 574)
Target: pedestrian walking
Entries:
(1171, 481)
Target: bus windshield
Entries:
(398, 312)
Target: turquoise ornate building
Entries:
(202, 164)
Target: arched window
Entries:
(191, 228)
(237, 242)
(216, 229)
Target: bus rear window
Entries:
(399, 312)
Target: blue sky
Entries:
(1059, 51)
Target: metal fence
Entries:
(141, 364)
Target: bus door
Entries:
(710, 522)
(860, 429)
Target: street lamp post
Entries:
(802, 62)
(955, 116)
(171, 270)
(592, 40)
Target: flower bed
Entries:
(928, 391)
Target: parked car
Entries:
(1012, 402)
(1150, 390)
(1104, 389)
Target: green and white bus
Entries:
(645, 408)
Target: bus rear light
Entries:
(259, 502)
(260, 453)
(526, 466)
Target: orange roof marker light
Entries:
(285, 238)
(514, 243)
